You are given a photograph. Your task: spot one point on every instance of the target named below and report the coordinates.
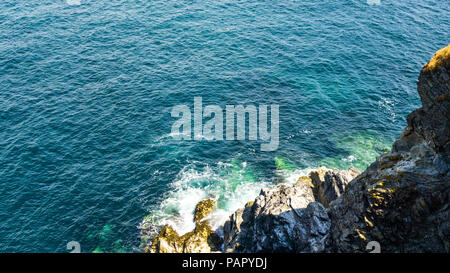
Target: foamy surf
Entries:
(291, 176)
(73, 2)
(231, 184)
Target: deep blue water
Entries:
(86, 93)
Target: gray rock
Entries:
(313, 229)
(282, 219)
(330, 184)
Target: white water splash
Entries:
(386, 105)
(350, 158)
(231, 184)
(374, 2)
(73, 2)
(290, 177)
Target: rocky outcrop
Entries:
(201, 240)
(283, 219)
(203, 208)
(268, 225)
(402, 199)
(431, 121)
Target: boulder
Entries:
(167, 241)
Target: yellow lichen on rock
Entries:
(305, 179)
(167, 241)
(201, 240)
(249, 204)
(319, 173)
(203, 208)
(441, 57)
(368, 222)
(361, 235)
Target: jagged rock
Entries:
(203, 208)
(318, 176)
(312, 231)
(167, 241)
(201, 240)
(402, 199)
(330, 184)
(275, 222)
(305, 179)
(432, 120)
(232, 228)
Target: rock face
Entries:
(281, 219)
(329, 184)
(201, 240)
(268, 225)
(402, 199)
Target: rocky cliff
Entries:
(401, 201)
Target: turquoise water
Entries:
(87, 89)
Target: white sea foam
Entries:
(386, 105)
(374, 2)
(291, 176)
(171, 135)
(230, 184)
(350, 158)
(73, 2)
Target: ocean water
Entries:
(86, 90)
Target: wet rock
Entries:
(281, 219)
(201, 240)
(167, 241)
(203, 208)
